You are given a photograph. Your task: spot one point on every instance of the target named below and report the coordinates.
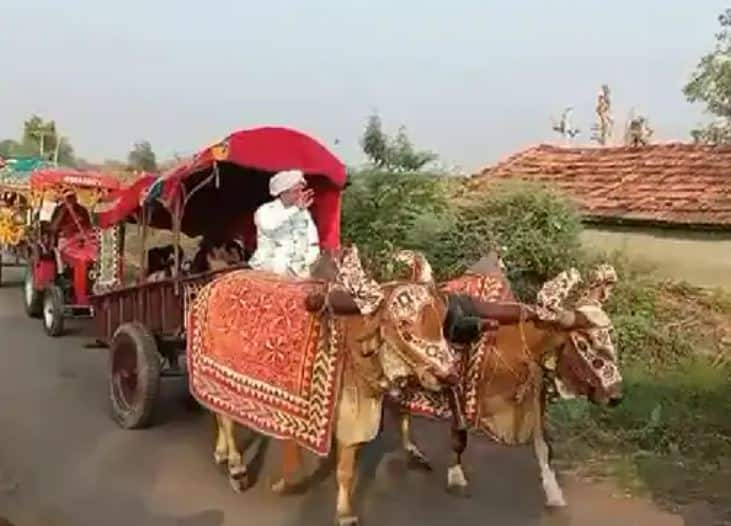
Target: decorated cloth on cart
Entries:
(488, 287)
(15, 175)
(16, 172)
(49, 185)
(257, 356)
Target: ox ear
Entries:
(421, 269)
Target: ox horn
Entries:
(550, 299)
(602, 281)
(421, 270)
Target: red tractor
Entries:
(65, 245)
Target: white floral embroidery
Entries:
(287, 240)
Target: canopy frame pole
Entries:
(177, 222)
(197, 187)
(143, 245)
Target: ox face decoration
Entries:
(587, 364)
(410, 342)
(414, 333)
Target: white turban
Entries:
(283, 181)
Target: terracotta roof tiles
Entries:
(681, 184)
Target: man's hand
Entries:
(305, 199)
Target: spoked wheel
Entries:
(134, 379)
(53, 305)
(32, 298)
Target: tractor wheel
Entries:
(53, 306)
(134, 375)
(32, 298)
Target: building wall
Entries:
(699, 258)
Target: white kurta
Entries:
(286, 240)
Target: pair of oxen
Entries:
(411, 334)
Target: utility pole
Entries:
(41, 134)
(59, 140)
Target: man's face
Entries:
(289, 197)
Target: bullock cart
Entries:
(212, 196)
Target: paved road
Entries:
(63, 462)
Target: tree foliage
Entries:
(142, 157)
(394, 154)
(375, 142)
(536, 230)
(711, 85)
(10, 148)
(383, 213)
(40, 138)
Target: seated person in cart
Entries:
(287, 242)
(161, 262)
(211, 255)
(69, 218)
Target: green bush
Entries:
(383, 212)
(537, 230)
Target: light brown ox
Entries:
(571, 347)
(378, 359)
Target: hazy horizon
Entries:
(472, 81)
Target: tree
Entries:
(711, 85)
(405, 157)
(396, 154)
(41, 138)
(10, 148)
(375, 142)
(142, 157)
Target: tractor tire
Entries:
(53, 307)
(32, 298)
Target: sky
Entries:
(472, 80)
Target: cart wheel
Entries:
(134, 376)
(32, 298)
(53, 305)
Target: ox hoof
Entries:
(281, 487)
(417, 460)
(239, 484)
(463, 492)
(350, 520)
(457, 483)
(556, 502)
(239, 481)
(220, 458)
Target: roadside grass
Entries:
(671, 436)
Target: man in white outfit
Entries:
(287, 242)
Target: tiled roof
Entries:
(681, 184)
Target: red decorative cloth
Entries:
(257, 356)
(488, 287)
